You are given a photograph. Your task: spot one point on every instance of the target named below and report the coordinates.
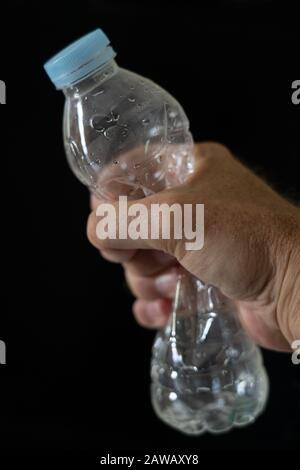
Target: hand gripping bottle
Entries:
(124, 135)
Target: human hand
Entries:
(251, 250)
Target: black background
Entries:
(77, 373)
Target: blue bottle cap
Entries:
(79, 59)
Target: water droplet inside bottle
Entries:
(112, 117)
(145, 122)
(105, 133)
(96, 122)
(172, 396)
(116, 162)
(98, 93)
(74, 148)
(131, 99)
(124, 130)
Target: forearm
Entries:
(289, 301)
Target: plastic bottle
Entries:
(124, 135)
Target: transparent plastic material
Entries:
(124, 135)
(207, 374)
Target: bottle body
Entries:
(124, 135)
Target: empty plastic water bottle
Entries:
(124, 135)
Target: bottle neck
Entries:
(98, 76)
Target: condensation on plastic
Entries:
(124, 135)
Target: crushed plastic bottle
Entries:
(124, 135)
(207, 374)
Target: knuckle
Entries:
(92, 236)
(91, 230)
(210, 153)
(111, 255)
(214, 149)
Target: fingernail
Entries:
(166, 284)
